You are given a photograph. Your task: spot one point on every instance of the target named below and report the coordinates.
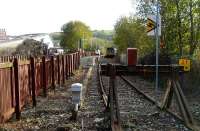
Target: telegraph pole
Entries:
(157, 43)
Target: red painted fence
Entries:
(22, 80)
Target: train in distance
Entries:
(111, 52)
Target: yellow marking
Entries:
(151, 25)
(185, 63)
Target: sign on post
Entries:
(185, 63)
(151, 25)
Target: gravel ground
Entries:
(91, 115)
(149, 88)
(53, 112)
(137, 113)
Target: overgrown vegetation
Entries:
(180, 24)
(180, 33)
(130, 32)
(30, 47)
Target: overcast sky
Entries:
(36, 16)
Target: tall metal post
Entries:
(157, 43)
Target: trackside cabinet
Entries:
(131, 56)
(76, 89)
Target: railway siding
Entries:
(149, 89)
(139, 114)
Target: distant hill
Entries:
(103, 34)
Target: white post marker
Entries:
(76, 89)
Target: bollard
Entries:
(76, 89)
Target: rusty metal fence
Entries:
(22, 80)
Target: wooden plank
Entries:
(6, 65)
(44, 83)
(52, 75)
(33, 89)
(167, 96)
(24, 62)
(180, 104)
(58, 61)
(6, 115)
(17, 90)
(67, 66)
(185, 103)
(70, 65)
(63, 69)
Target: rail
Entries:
(111, 101)
(173, 88)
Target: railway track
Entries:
(92, 115)
(133, 110)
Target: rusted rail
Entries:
(111, 101)
(187, 117)
(172, 71)
(102, 91)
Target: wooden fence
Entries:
(4, 59)
(21, 81)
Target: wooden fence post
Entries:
(33, 89)
(52, 70)
(79, 56)
(58, 60)
(70, 65)
(67, 66)
(74, 61)
(17, 90)
(77, 60)
(44, 76)
(71, 61)
(63, 68)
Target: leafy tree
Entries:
(180, 23)
(73, 32)
(130, 32)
